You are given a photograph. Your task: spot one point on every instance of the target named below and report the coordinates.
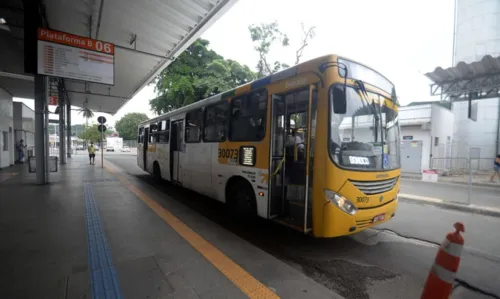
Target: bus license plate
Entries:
(379, 218)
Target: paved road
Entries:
(483, 196)
(390, 262)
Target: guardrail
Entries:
(461, 165)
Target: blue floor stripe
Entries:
(103, 278)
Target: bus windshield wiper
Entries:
(373, 110)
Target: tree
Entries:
(307, 34)
(86, 113)
(127, 125)
(265, 35)
(196, 74)
(110, 131)
(90, 134)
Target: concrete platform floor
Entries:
(95, 233)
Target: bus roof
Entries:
(254, 85)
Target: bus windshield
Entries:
(367, 136)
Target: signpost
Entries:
(71, 56)
(102, 128)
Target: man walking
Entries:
(91, 150)
(496, 168)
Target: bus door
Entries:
(277, 161)
(145, 148)
(176, 146)
(291, 159)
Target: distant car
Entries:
(80, 148)
(110, 149)
(125, 149)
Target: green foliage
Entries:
(196, 74)
(90, 134)
(127, 125)
(265, 35)
(86, 113)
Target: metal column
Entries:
(62, 135)
(68, 126)
(40, 129)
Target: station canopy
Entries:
(466, 81)
(148, 36)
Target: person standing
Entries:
(91, 150)
(20, 149)
(496, 168)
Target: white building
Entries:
(477, 30)
(426, 136)
(7, 144)
(476, 34)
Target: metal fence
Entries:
(130, 143)
(461, 165)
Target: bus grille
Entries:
(375, 187)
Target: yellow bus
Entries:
(315, 147)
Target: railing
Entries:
(461, 165)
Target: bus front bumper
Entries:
(338, 223)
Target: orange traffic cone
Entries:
(442, 275)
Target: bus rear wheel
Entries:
(241, 199)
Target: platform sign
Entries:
(71, 56)
(53, 100)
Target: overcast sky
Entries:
(400, 39)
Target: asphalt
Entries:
(391, 261)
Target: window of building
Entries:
(248, 117)
(193, 126)
(164, 133)
(215, 123)
(5, 141)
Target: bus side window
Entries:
(165, 134)
(139, 135)
(163, 131)
(215, 122)
(193, 126)
(159, 131)
(248, 117)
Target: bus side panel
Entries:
(219, 179)
(163, 159)
(140, 155)
(197, 168)
(226, 165)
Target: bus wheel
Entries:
(156, 171)
(242, 200)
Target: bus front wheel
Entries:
(240, 199)
(156, 171)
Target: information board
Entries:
(70, 56)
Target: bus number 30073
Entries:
(228, 153)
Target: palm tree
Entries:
(87, 113)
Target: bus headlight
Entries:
(343, 203)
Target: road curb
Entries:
(488, 211)
(454, 182)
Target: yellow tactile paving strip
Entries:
(237, 275)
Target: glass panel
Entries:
(367, 136)
(248, 117)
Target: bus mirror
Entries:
(339, 100)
